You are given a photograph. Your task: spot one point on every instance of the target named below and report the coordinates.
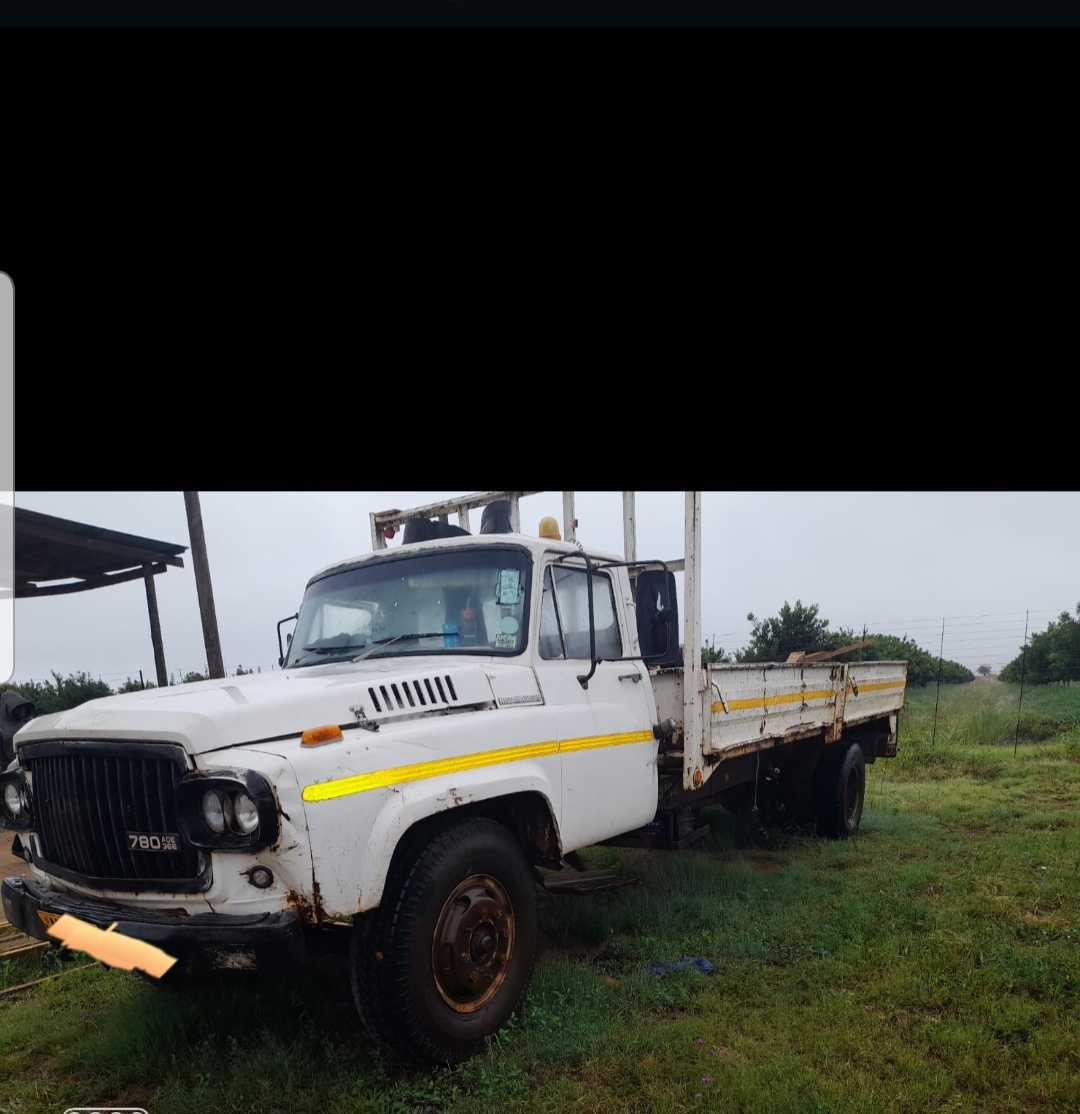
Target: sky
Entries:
(897, 562)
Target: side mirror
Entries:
(658, 617)
(282, 652)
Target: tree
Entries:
(62, 693)
(801, 628)
(795, 628)
(984, 671)
(131, 685)
(712, 654)
(1052, 655)
(190, 677)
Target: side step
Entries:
(582, 882)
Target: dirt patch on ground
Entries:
(9, 864)
(763, 863)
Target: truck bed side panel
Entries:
(875, 688)
(753, 703)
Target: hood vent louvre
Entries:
(413, 694)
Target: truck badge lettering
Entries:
(525, 698)
(147, 841)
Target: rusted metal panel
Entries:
(769, 702)
(754, 707)
(836, 728)
(876, 689)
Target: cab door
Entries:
(607, 750)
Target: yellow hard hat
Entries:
(549, 528)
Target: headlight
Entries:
(245, 814)
(13, 802)
(227, 810)
(15, 809)
(213, 811)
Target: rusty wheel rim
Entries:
(473, 943)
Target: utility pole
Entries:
(1023, 670)
(215, 668)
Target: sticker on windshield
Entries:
(508, 624)
(505, 641)
(509, 590)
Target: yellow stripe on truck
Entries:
(419, 771)
(796, 697)
(878, 685)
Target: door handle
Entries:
(635, 677)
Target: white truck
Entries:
(453, 718)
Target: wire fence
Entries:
(145, 676)
(982, 642)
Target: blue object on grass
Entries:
(697, 962)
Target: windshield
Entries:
(465, 601)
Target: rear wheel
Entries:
(447, 957)
(841, 789)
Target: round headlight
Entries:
(245, 813)
(13, 801)
(213, 811)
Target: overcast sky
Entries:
(897, 562)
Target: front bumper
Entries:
(178, 935)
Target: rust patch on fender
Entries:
(310, 911)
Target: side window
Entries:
(550, 636)
(571, 592)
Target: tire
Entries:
(469, 888)
(841, 790)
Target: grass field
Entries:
(932, 963)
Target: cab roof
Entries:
(537, 546)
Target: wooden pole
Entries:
(155, 628)
(214, 665)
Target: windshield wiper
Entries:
(380, 642)
(343, 652)
(370, 647)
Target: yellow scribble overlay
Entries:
(419, 771)
(111, 947)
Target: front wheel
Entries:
(841, 788)
(447, 957)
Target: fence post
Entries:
(1023, 670)
(937, 699)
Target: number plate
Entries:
(153, 841)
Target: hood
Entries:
(211, 715)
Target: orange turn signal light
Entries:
(316, 736)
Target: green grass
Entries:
(934, 962)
